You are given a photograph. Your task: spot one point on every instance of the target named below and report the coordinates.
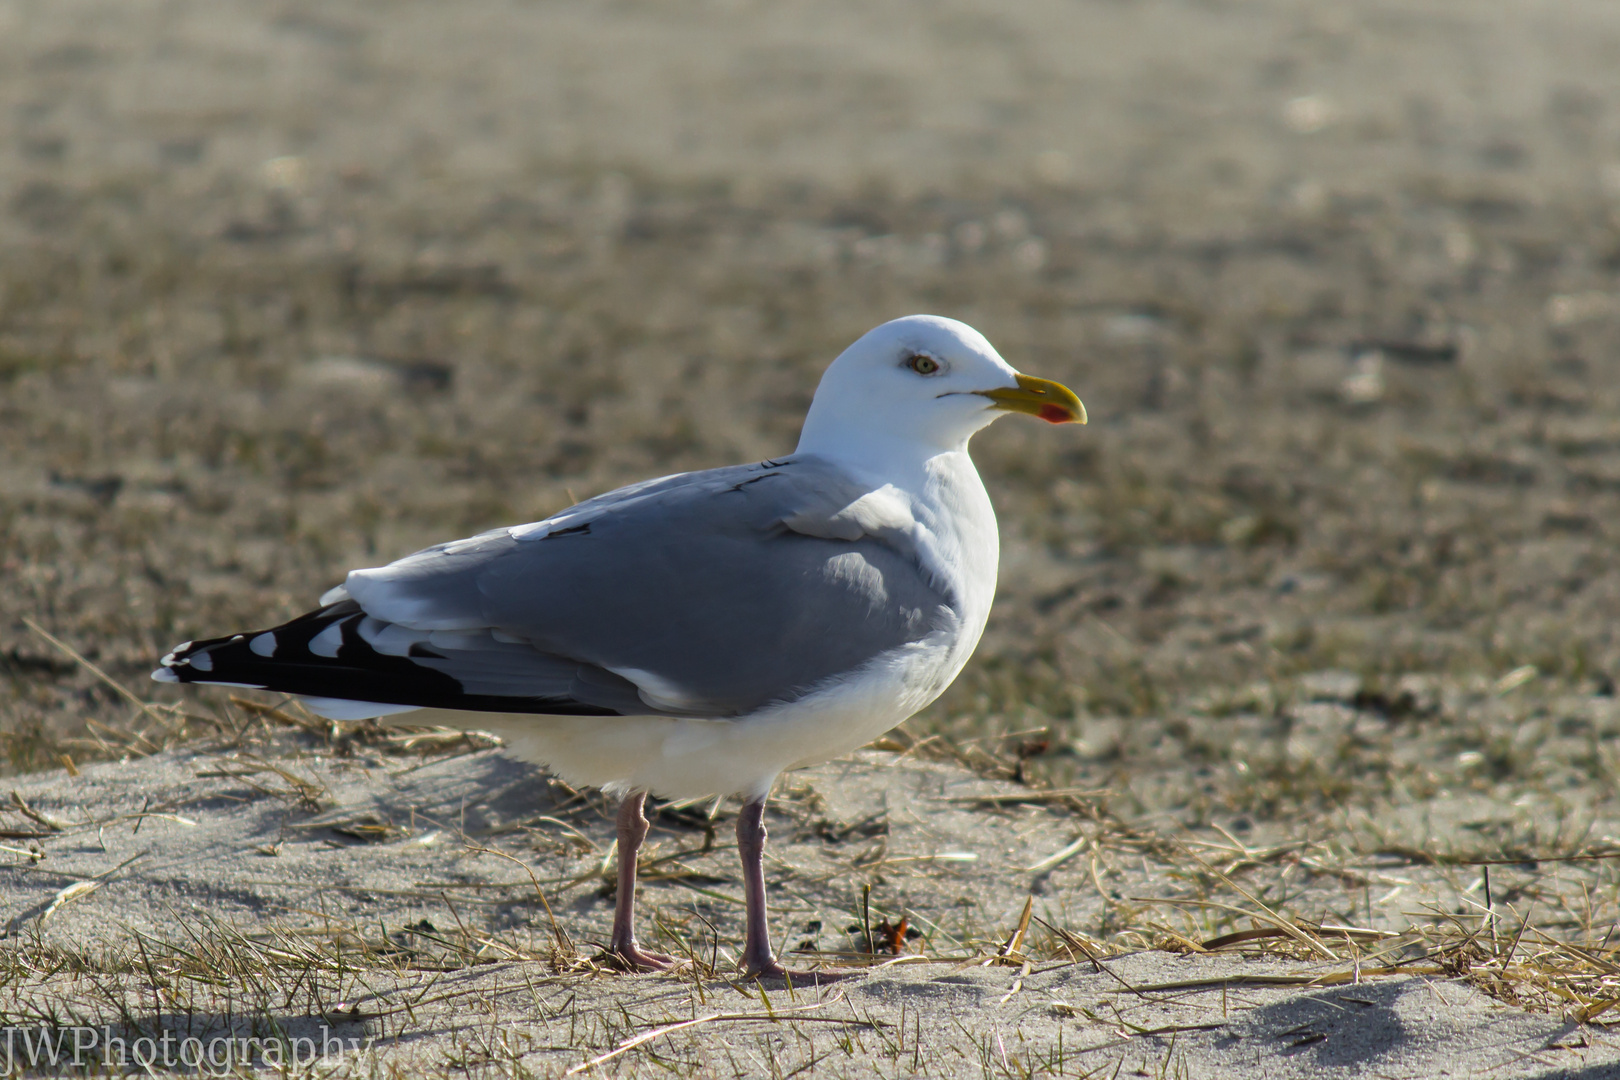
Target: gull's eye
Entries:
(923, 365)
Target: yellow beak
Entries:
(1052, 402)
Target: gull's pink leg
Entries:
(758, 960)
(632, 831)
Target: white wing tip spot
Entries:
(327, 642)
(264, 645)
(163, 674)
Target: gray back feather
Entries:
(737, 587)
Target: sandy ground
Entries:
(240, 875)
(1329, 584)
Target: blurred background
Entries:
(291, 287)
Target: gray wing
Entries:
(704, 594)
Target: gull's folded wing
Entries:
(704, 594)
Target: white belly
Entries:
(678, 758)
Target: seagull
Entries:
(698, 634)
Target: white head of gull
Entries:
(701, 633)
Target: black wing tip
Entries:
(280, 659)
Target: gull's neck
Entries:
(908, 463)
(947, 496)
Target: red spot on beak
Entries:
(1056, 414)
